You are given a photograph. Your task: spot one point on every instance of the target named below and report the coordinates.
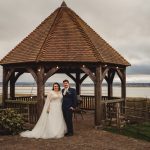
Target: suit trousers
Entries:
(68, 119)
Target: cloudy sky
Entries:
(124, 24)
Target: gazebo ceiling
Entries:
(65, 37)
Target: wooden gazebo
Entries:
(64, 43)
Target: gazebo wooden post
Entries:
(110, 89)
(98, 97)
(5, 86)
(110, 85)
(40, 89)
(123, 88)
(12, 86)
(78, 84)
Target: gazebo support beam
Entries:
(111, 75)
(89, 73)
(83, 78)
(5, 86)
(77, 81)
(71, 76)
(13, 80)
(12, 86)
(30, 70)
(123, 87)
(110, 89)
(18, 75)
(98, 97)
(50, 73)
(40, 90)
(78, 84)
(9, 73)
(122, 75)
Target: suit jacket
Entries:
(70, 99)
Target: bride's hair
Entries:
(58, 86)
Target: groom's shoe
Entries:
(69, 134)
(66, 134)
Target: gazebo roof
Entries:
(63, 37)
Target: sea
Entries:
(130, 91)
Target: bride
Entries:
(51, 123)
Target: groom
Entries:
(68, 105)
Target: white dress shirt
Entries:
(65, 91)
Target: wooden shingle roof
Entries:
(65, 37)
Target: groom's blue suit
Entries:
(69, 100)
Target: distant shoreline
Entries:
(30, 84)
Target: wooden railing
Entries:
(25, 98)
(88, 102)
(28, 105)
(110, 108)
(25, 106)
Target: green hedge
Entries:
(11, 121)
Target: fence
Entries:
(25, 106)
(138, 110)
(28, 105)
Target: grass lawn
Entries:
(138, 131)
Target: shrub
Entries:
(11, 121)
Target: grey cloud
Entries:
(124, 24)
(139, 69)
(136, 51)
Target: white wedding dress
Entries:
(52, 124)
